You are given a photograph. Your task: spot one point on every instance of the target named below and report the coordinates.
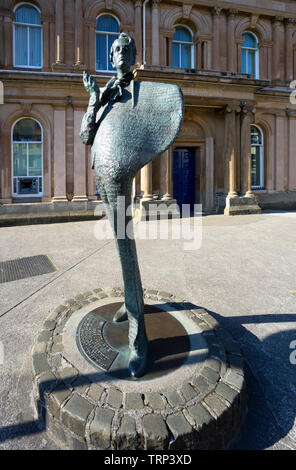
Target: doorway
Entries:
(185, 169)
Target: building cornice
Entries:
(276, 8)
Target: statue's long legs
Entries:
(117, 198)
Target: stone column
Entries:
(269, 60)
(8, 43)
(166, 175)
(46, 42)
(138, 30)
(1, 40)
(198, 50)
(245, 151)
(216, 38)
(206, 59)
(263, 68)
(289, 30)
(138, 184)
(230, 166)
(276, 24)
(79, 159)
(292, 147)
(146, 182)
(155, 32)
(169, 39)
(91, 45)
(59, 152)
(79, 51)
(47, 176)
(52, 40)
(86, 45)
(230, 40)
(209, 174)
(5, 166)
(246, 203)
(280, 151)
(59, 31)
(239, 43)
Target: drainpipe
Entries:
(144, 31)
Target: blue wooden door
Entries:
(184, 176)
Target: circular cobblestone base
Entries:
(200, 405)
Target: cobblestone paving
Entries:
(205, 412)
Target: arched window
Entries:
(107, 31)
(27, 37)
(257, 158)
(27, 158)
(250, 55)
(182, 48)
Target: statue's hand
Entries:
(90, 84)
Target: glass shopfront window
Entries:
(27, 155)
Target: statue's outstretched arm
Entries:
(88, 125)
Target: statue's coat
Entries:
(134, 130)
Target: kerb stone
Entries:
(100, 428)
(114, 398)
(234, 379)
(203, 420)
(154, 400)
(40, 363)
(133, 401)
(95, 391)
(156, 435)
(174, 398)
(75, 413)
(185, 437)
(126, 436)
(56, 399)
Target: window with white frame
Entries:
(182, 48)
(27, 158)
(257, 158)
(107, 31)
(250, 55)
(27, 37)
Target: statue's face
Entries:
(122, 54)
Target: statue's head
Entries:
(123, 52)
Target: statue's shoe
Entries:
(120, 315)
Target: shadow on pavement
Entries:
(271, 381)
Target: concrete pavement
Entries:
(243, 273)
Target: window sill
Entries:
(105, 71)
(27, 67)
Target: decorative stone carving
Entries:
(186, 10)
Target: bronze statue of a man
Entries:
(128, 123)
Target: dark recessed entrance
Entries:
(184, 176)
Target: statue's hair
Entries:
(131, 43)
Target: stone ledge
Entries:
(241, 205)
(49, 212)
(204, 412)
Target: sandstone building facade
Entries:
(234, 60)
